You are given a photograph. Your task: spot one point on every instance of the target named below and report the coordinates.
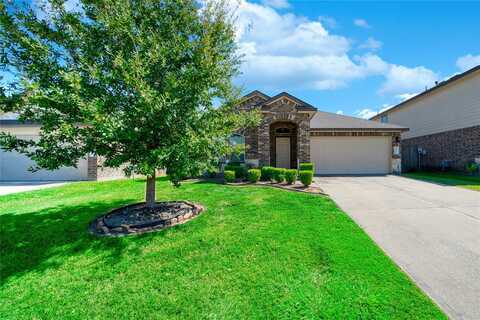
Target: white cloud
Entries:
(279, 4)
(340, 112)
(284, 51)
(371, 44)
(468, 62)
(362, 23)
(400, 79)
(365, 113)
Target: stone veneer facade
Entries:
(259, 141)
(458, 146)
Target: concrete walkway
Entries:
(431, 231)
(14, 187)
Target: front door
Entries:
(282, 148)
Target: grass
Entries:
(448, 178)
(256, 253)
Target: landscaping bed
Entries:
(137, 218)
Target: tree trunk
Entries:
(150, 191)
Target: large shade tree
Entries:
(145, 84)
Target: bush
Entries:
(239, 169)
(229, 176)
(472, 167)
(211, 173)
(279, 174)
(280, 178)
(291, 176)
(306, 177)
(267, 173)
(306, 166)
(254, 175)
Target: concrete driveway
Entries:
(20, 186)
(431, 231)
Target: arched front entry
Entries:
(283, 144)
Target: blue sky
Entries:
(355, 57)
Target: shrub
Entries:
(306, 166)
(306, 177)
(229, 176)
(254, 175)
(211, 173)
(280, 178)
(472, 167)
(291, 176)
(239, 169)
(267, 173)
(279, 174)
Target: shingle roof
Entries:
(254, 93)
(328, 121)
(302, 105)
(440, 85)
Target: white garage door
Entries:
(351, 155)
(14, 167)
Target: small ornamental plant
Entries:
(267, 173)
(306, 177)
(291, 176)
(229, 176)
(239, 169)
(280, 178)
(254, 175)
(279, 175)
(472, 168)
(306, 166)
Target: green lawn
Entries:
(448, 178)
(256, 253)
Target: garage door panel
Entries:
(14, 167)
(351, 155)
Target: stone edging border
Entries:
(278, 186)
(99, 228)
(287, 187)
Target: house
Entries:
(14, 166)
(444, 124)
(292, 131)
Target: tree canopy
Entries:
(146, 84)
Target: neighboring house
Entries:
(444, 124)
(293, 131)
(14, 166)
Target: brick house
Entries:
(293, 131)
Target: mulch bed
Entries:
(137, 218)
(314, 188)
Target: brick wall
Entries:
(459, 146)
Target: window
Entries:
(384, 118)
(282, 130)
(238, 143)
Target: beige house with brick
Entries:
(444, 124)
(14, 166)
(293, 131)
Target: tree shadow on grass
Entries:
(43, 239)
